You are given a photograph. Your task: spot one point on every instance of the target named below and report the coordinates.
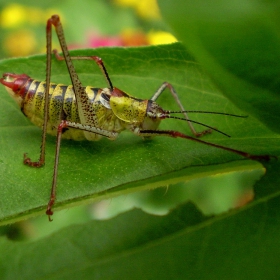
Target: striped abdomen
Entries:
(30, 95)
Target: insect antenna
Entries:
(104, 70)
(203, 112)
(205, 125)
(207, 112)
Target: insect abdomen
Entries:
(30, 95)
(62, 106)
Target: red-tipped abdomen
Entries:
(18, 83)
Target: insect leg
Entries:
(97, 59)
(64, 124)
(86, 112)
(175, 134)
(41, 161)
(175, 96)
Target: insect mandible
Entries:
(89, 113)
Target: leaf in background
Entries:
(240, 244)
(96, 170)
(237, 42)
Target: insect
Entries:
(89, 113)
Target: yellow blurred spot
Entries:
(145, 8)
(23, 38)
(160, 37)
(12, 15)
(148, 9)
(15, 15)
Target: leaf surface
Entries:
(97, 170)
(239, 244)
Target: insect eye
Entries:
(105, 100)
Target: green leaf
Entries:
(239, 244)
(96, 170)
(238, 44)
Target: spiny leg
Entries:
(86, 111)
(87, 114)
(98, 61)
(175, 96)
(41, 161)
(60, 128)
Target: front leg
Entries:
(184, 112)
